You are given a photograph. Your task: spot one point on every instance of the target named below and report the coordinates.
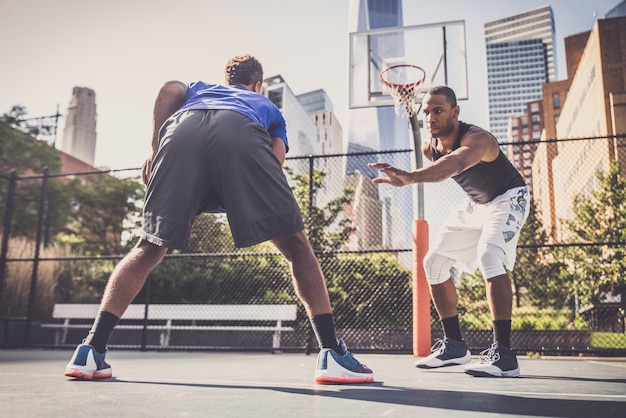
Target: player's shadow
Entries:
(454, 400)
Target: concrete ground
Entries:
(218, 384)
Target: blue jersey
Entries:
(239, 99)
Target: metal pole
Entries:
(8, 216)
(417, 145)
(310, 345)
(33, 281)
(146, 307)
(421, 291)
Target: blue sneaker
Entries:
(88, 364)
(333, 368)
(496, 361)
(446, 352)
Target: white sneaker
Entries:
(446, 352)
(496, 361)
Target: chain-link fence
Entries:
(64, 233)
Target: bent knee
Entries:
(491, 261)
(292, 245)
(151, 250)
(437, 268)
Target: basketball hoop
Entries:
(402, 81)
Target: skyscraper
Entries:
(520, 59)
(381, 128)
(79, 134)
(319, 107)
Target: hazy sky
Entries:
(126, 49)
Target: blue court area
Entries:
(218, 384)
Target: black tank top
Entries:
(484, 181)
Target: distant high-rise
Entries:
(384, 129)
(319, 107)
(617, 11)
(79, 134)
(520, 59)
(301, 130)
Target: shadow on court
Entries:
(259, 385)
(467, 401)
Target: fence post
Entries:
(146, 307)
(6, 232)
(309, 335)
(32, 297)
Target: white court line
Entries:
(557, 394)
(609, 363)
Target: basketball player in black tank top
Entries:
(480, 233)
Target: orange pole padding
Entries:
(421, 292)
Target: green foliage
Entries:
(542, 276)
(229, 279)
(608, 340)
(28, 156)
(16, 119)
(103, 208)
(325, 226)
(90, 213)
(599, 216)
(361, 285)
(24, 153)
(210, 234)
(474, 310)
(526, 318)
(472, 293)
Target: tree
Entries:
(29, 157)
(599, 218)
(104, 207)
(210, 234)
(325, 226)
(16, 118)
(537, 270)
(369, 291)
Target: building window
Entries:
(276, 97)
(556, 101)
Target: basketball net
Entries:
(402, 81)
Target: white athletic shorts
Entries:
(469, 224)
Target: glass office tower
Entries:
(520, 58)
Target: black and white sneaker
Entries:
(496, 361)
(446, 352)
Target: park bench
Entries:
(168, 317)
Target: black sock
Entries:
(502, 332)
(324, 328)
(452, 328)
(101, 331)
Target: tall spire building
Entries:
(520, 59)
(79, 134)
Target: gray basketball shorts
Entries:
(217, 161)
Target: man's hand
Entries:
(146, 168)
(395, 176)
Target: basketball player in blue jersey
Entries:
(219, 148)
(480, 233)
